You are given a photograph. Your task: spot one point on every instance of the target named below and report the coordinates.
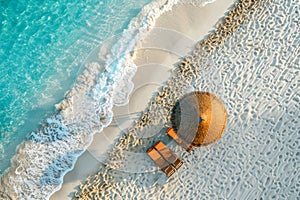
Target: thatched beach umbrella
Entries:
(199, 118)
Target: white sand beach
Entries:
(174, 36)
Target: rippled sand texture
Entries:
(251, 62)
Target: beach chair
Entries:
(188, 147)
(171, 157)
(164, 158)
(161, 162)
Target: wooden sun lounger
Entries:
(161, 162)
(164, 158)
(183, 144)
(157, 158)
(169, 170)
(171, 157)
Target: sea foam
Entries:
(41, 162)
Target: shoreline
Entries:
(249, 60)
(151, 54)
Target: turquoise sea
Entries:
(42, 50)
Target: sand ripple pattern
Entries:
(251, 62)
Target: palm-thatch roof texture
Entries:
(199, 118)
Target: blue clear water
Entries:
(42, 47)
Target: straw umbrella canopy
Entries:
(199, 118)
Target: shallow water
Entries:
(43, 47)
